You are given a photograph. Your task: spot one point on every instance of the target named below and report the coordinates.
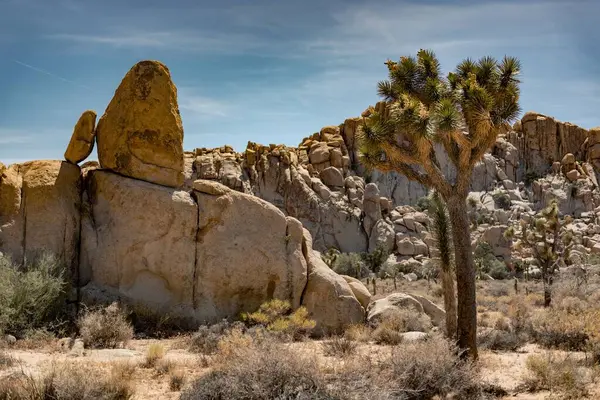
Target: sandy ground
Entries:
(505, 369)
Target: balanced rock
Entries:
(82, 140)
(140, 134)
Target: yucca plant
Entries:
(463, 112)
(550, 242)
(442, 232)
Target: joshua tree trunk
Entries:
(465, 274)
(449, 302)
(548, 280)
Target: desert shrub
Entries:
(423, 370)
(501, 200)
(559, 374)
(206, 339)
(32, 296)
(487, 263)
(376, 258)
(6, 360)
(277, 317)
(499, 340)
(530, 177)
(105, 327)
(176, 379)
(406, 320)
(339, 346)
(423, 203)
(391, 327)
(385, 335)
(70, 382)
(555, 329)
(154, 354)
(358, 333)
(260, 370)
(159, 324)
(519, 314)
(351, 264)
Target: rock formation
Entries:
(82, 140)
(140, 134)
(130, 230)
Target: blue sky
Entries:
(273, 71)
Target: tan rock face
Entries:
(360, 291)
(328, 297)
(247, 253)
(82, 140)
(39, 210)
(140, 135)
(139, 239)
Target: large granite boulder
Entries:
(140, 134)
(247, 253)
(139, 241)
(328, 298)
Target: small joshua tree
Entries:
(550, 242)
(442, 232)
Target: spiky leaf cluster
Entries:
(464, 111)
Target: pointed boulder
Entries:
(82, 140)
(140, 135)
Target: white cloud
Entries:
(199, 106)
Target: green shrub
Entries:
(276, 316)
(501, 200)
(351, 264)
(487, 263)
(423, 203)
(105, 328)
(560, 375)
(32, 296)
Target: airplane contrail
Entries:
(50, 74)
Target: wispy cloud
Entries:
(200, 106)
(14, 136)
(42, 71)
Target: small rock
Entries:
(210, 187)
(10, 339)
(414, 336)
(573, 175)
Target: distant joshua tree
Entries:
(463, 112)
(549, 240)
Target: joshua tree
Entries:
(463, 113)
(549, 240)
(443, 237)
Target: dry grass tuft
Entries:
(358, 333)
(105, 328)
(176, 379)
(6, 360)
(339, 346)
(71, 381)
(154, 354)
(559, 374)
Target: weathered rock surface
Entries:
(82, 141)
(140, 134)
(380, 309)
(247, 253)
(328, 298)
(139, 240)
(360, 291)
(40, 210)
